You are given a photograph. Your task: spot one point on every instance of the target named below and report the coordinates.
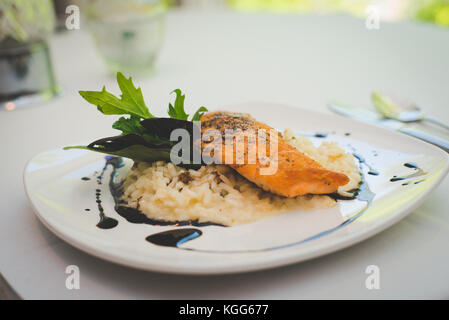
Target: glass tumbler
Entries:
(128, 33)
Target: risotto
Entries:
(218, 194)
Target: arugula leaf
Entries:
(199, 113)
(107, 103)
(171, 111)
(177, 111)
(133, 95)
(144, 137)
(154, 134)
(129, 125)
(131, 101)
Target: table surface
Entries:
(221, 58)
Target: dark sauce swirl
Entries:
(176, 237)
(418, 172)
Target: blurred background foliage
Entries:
(434, 11)
(25, 19)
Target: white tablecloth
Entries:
(221, 58)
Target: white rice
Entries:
(217, 193)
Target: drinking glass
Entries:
(128, 33)
(26, 73)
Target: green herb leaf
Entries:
(171, 111)
(129, 125)
(144, 137)
(177, 111)
(107, 103)
(199, 113)
(131, 101)
(163, 127)
(135, 147)
(156, 133)
(133, 95)
(134, 151)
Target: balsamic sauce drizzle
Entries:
(363, 193)
(315, 135)
(170, 238)
(320, 135)
(105, 221)
(361, 159)
(133, 215)
(418, 172)
(176, 237)
(173, 238)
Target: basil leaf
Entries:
(153, 145)
(163, 127)
(135, 152)
(130, 146)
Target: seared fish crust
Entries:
(296, 173)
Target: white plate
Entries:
(59, 196)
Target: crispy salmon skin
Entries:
(295, 173)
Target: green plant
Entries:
(436, 11)
(26, 20)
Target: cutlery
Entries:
(396, 108)
(372, 117)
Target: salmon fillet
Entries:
(296, 173)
